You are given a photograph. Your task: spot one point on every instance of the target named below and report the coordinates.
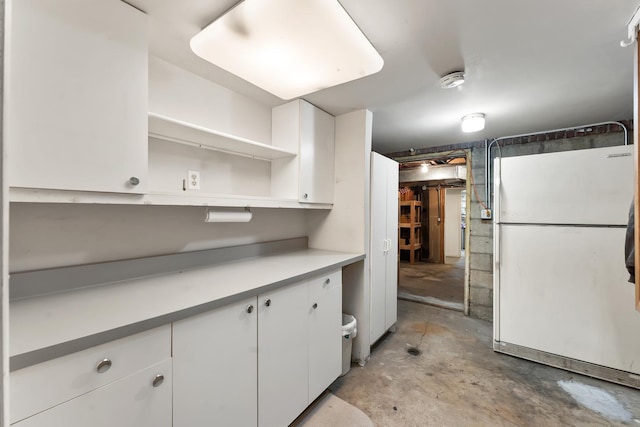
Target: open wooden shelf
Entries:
(410, 227)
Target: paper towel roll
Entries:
(219, 215)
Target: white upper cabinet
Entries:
(76, 95)
(299, 126)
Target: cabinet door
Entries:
(76, 95)
(325, 332)
(283, 359)
(378, 246)
(391, 264)
(130, 402)
(316, 156)
(215, 367)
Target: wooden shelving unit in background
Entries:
(410, 233)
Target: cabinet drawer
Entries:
(327, 283)
(41, 386)
(133, 401)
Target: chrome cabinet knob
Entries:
(103, 366)
(305, 195)
(134, 180)
(315, 305)
(157, 380)
(267, 302)
(326, 282)
(250, 309)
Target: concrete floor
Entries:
(458, 380)
(437, 284)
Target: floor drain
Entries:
(413, 351)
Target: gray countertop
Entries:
(47, 326)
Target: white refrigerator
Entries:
(561, 295)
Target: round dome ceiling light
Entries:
(473, 122)
(452, 80)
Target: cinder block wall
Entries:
(480, 245)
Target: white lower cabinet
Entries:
(283, 354)
(139, 400)
(260, 361)
(215, 366)
(82, 381)
(299, 347)
(325, 332)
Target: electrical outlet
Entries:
(193, 180)
(485, 213)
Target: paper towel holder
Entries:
(228, 215)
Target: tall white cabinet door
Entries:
(317, 164)
(76, 95)
(325, 332)
(130, 402)
(391, 265)
(283, 359)
(215, 367)
(379, 244)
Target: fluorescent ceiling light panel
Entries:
(288, 47)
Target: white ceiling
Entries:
(530, 65)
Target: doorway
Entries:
(432, 233)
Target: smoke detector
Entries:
(452, 80)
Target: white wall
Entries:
(220, 173)
(54, 235)
(182, 95)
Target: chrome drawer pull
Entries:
(103, 366)
(158, 380)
